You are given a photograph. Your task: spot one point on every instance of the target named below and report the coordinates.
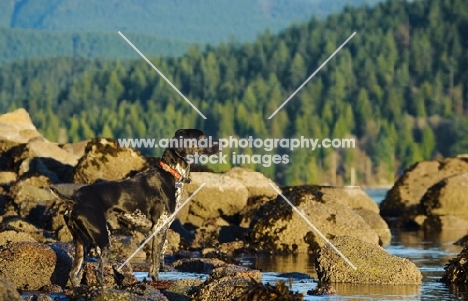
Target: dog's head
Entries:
(193, 141)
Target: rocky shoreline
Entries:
(235, 214)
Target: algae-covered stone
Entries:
(104, 159)
(374, 264)
(413, 184)
(279, 229)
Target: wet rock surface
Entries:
(456, 270)
(374, 264)
(226, 283)
(112, 277)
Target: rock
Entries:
(67, 188)
(17, 126)
(181, 290)
(14, 236)
(7, 177)
(40, 297)
(257, 184)
(137, 292)
(30, 195)
(76, 149)
(448, 197)
(104, 159)
(444, 222)
(374, 264)
(43, 149)
(124, 246)
(456, 270)
(30, 266)
(8, 291)
(376, 222)
(173, 242)
(198, 265)
(226, 283)
(413, 184)
(277, 229)
(322, 290)
(112, 277)
(353, 197)
(222, 195)
(249, 212)
(21, 225)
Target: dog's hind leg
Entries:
(75, 273)
(101, 264)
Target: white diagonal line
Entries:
(162, 75)
(313, 227)
(310, 77)
(171, 217)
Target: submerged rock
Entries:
(374, 264)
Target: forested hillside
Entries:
(399, 87)
(25, 43)
(45, 28)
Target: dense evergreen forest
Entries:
(399, 87)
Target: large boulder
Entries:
(257, 184)
(104, 159)
(376, 222)
(30, 266)
(448, 197)
(221, 196)
(353, 197)
(374, 264)
(413, 184)
(279, 229)
(17, 126)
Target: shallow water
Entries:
(429, 252)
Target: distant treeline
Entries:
(24, 43)
(399, 87)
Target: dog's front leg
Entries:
(157, 258)
(75, 273)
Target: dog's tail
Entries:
(59, 198)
